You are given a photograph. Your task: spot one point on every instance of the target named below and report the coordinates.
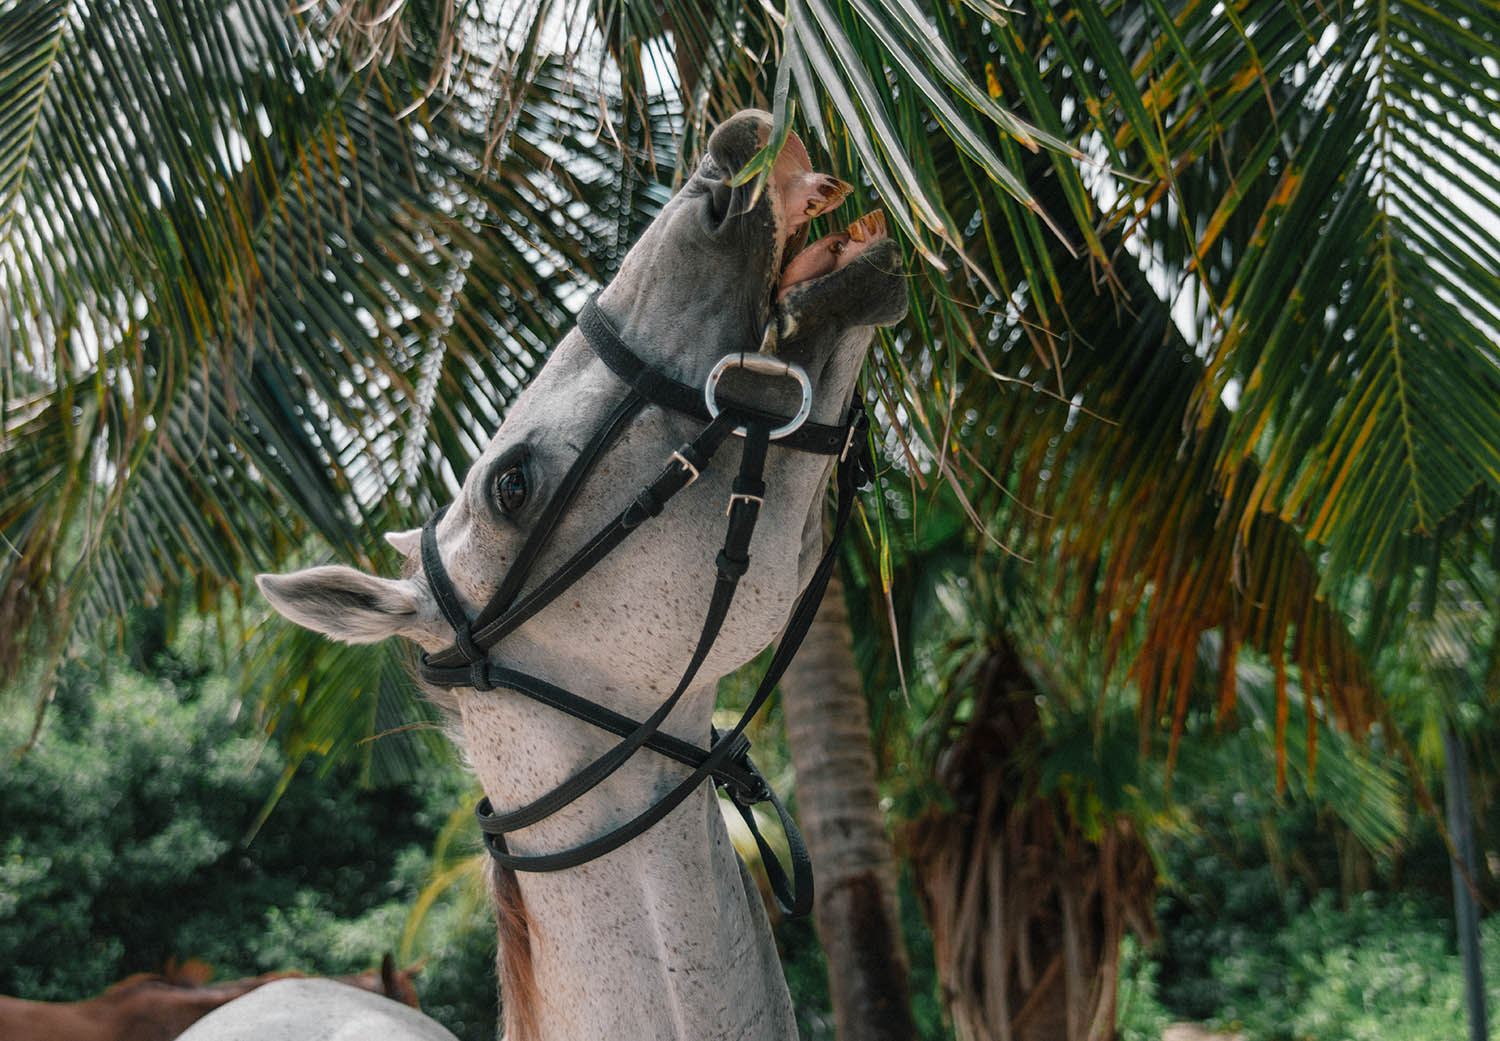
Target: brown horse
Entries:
(157, 1007)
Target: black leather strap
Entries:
(473, 640)
(449, 667)
(794, 895)
(541, 533)
(742, 516)
(727, 759)
(662, 390)
(443, 591)
(737, 774)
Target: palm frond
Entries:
(1289, 365)
(311, 339)
(1344, 247)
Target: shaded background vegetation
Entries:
(142, 793)
(136, 833)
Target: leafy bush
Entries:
(125, 840)
(1381, 969)
(1139, 1015)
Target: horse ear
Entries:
(349, 605)
(407, 543)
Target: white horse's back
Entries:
(315, 1010)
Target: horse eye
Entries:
(510, 489)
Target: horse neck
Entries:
(664, 939)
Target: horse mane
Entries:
(519, 996)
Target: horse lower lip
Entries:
(832, 251)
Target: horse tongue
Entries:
(832, 251)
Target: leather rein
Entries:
(727, 758)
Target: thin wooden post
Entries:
(1466, 913)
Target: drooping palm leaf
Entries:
(1245, 163)
(321, 354)
(1347, 249)
(1113, 492)
(1221, 117)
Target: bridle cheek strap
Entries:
(727, 760)
(590, 776)
(473, 640)
(443, 591)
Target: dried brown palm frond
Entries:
(1027, 911)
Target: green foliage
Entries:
(457, 984)
(807, 974)
(254, 295)
(1239, 874)
(926, 988)
(126, 841)
(806, 977)
(1139, 1015)
(1380, 969)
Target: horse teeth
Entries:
(870, 226)
(835, 190)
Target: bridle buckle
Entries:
(765, 365)
(734, 497)
(682, 461)
(848, 443)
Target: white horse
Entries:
(664, 937)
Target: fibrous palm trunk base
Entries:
(1027, 913)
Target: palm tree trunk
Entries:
(1027, 911)
(828, 728)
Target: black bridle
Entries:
(727, 759)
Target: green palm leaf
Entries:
(1279, 236)
(307, 333)
(1345, 245)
